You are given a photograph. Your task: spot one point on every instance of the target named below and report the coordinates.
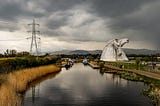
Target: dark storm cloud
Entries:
(54, 24)
(57, 5)
(135, 19)
(13, 10)
(138, 19)
(145, 19)
(142, 25)
(116, 8)
(9, 10)
(58, 20)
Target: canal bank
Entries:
(139, 72)
(152, 79)
(93, 66)
(16, 83)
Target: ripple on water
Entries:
(82, 85)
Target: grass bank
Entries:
(20, 79)
(127, 65)
(153, 91)
(149, 78)
(11, 64)
(18, 82)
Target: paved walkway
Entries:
(139, 72)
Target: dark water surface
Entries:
(82, 85)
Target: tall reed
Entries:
(18, 81)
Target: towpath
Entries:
(139, 72)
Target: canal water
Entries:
(82, 85)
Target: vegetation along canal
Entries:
(82, 85)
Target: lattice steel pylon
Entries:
(34, 38)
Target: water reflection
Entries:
(35, 86)
(81, 85)
(9, 95)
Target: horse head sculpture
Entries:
(123, 41)
(113, 52)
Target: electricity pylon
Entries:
(34, 38)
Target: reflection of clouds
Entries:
(83, 85)
(116, 80)
(81, 82)
(123, 83)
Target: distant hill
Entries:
(61, 52)
(81, 52)
(141, 51)
(127, 51)
(95, 52)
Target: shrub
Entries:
(9, 65)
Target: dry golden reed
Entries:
(18, 81)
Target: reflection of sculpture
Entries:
(113, 52)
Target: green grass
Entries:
(11, 64)
(7, 58)
(127, 65)
(153, 92)
(156, 72)
(11, 58)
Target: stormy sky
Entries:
(79, 24)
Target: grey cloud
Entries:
(145, 21)
(54, 24)
(10, 28)
(10, 10)
(14, 10)
(115, 8)
(138, 19)
(117, 12)
(51, 33)
(58, 5)
(57, 20)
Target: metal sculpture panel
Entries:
(113, 50)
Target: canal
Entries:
(82, 85)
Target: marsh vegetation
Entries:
(16, 83)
